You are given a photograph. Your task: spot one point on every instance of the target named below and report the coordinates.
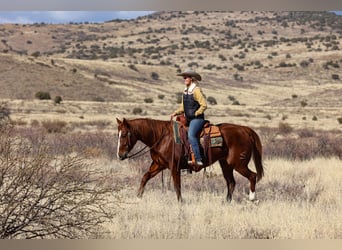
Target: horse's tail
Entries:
(257, 155)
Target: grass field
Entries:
(295, 200)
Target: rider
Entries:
(193, 106)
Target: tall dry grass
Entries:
(296, 200)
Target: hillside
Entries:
(278, 64)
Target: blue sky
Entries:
(26, 17)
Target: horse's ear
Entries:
(124, 121)
(118, 121)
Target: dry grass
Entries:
(297, 200)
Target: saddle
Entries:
(210, 137)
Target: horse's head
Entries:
(126, 140)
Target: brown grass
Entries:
(297, 200)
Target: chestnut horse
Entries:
(239, 144)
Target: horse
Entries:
(239, 144)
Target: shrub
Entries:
(339, 120)
(284, 128)
(98, 99)
(148, 100)
(58, 99)
(154, 76)
(304, 64)
(133, 67)
(4, 112)
(335, 77)
(44, 195)
(232, 98)
(212, 100)
(41, 95)
(35, 54)
(137, 111)
(54, 126)
(303, 103)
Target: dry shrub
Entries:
(89, 144)
(310, 144)
(43, 195)
(296, 189)
(261, 233)
(54, 126)
(285, 128)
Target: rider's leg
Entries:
(195, 128)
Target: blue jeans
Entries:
(195, 128)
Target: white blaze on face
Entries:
(117, 154)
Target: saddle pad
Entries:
(214, 141)
(213, 130)
(176, 132)
(214, 133)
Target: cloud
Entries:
(26, 17)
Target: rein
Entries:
(140, 152)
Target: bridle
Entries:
(141, 151)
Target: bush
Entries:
(212, 100)
(55, 126)
(284, 128)
(303, 103)
(4, 112)
(41, 95)
(133, 67)
(43, 195)
(339, 120)
(148, 100)
(304, 64)
(154, 76)
(137, 111)
(35, 54)
(335, 77)
(58, 99)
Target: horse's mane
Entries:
(157, 126)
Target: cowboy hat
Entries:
(191, 73)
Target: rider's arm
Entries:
(200, 98)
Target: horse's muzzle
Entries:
(123, 156)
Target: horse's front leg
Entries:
(176, 176)
(153, 171)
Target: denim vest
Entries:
(190, 106)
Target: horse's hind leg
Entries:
(251, 176)
(229, 177)
(153, 171)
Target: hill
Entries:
(254, 64)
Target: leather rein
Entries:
(140, 152)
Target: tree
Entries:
(43, 195)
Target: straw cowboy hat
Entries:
(191, 73)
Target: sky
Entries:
(29, 17)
